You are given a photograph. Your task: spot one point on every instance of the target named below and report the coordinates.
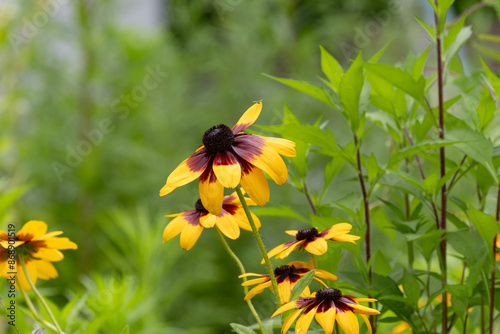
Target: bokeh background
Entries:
(101, 100)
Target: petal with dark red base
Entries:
(248, 118)
(211, 192)
(227, 169)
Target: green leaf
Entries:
(484, 223)
(430, 182)
(400, 79)
(314, 90)
(240, 329)
(379, 54)
(382, 266)
(486, 108)
(350, 91)
(411, 287)
(493, 79)
(410, 151)
(462, 37)
(332, 69)
(459, 300)
(301, 285)
(372, 168)
(332, 168)
(283, 211)
(492, 53)
(382, 222)
(313, 135)
(428, 28)
(418, 67)
(443, 6)
(476, 146)
(125, 330)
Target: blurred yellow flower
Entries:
(37, 247)
(229, 157)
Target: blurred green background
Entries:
(101, 100)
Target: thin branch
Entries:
(493, 271)
(309, 199)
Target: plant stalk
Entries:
(242, 270)
(39, 296)
(261, 246)
(493, 271)
(35, 312)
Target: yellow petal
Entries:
(282, 146)
(187, 171)
(255, 184)
(305, 293)
(279, 249)
(60, 243)
(211, 193)
(32, 230)
(363, 309)
(337, 229)
(348, 322)
(316, 247)
(248, 118)
(208, 220)
(326, 319)
(290, 249)
(255, 281)
(48, 254)
(284, 308)
(174, 228)
(367, 322)
(293, 233)
(50, 235)
(258, 289)
(227, 169)
(304, 321)
(325, 275)
(190, 235)
(290, 319)
(45, 270)
(21, 277)
(285, 291)
(228, 225)
(250, 274)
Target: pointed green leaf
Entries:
(125, 330)
(486, 108)
(428, 28)
(493, 79)
(240, 329)
(332, 168)
(418, 67)
(350, 91)
(301, 285)
(372, 168)
(332, 69)
(410, 151)
(484, 223)
(379, 54)
(411, 287)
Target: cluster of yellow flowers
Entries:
(230, 158)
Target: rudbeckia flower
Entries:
(229, 157)
(327, 306)
(313, 241)
(191, 223)
(286, 277)
(37, 247)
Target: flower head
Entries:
(286, 277)
(38, 249)
(229, 157)
(191, 223)
(327, 306)
(313, 241)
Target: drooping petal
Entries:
(227, 169)
(21, 276)
(175, 227)
(187, 171)
(346, 238)
(32, 230)
(326, 319)
(290, 249)
(279, 249)
(356, 308)
(60, 243)
(367, 322)
(255, 184)
(228, 225)
(190, 235)
(316, 247)
(254, 150)
(335, 230)
(287, 306)
(255, 281)
(347, 321)
(290, 319)
(258, 289)
(211, 192)
(49, 254)
(252, 274)
(304, 321)
(45, 270)
(325, 275)
(285, 291)
(282, 146)
(248, 118)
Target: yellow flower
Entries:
(286, 277)
(229, 157)
(327, 306)
(401, 328)
(191, 223)
(37, 247)
(313, 241)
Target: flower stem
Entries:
(442, 170)
(35, 312)
(39, 296)
(492, 294)
(242, 270)
(261, 246)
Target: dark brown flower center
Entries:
(307, 234)
(199, 206)
(328, 294)
(284, 270)
(218, 138)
